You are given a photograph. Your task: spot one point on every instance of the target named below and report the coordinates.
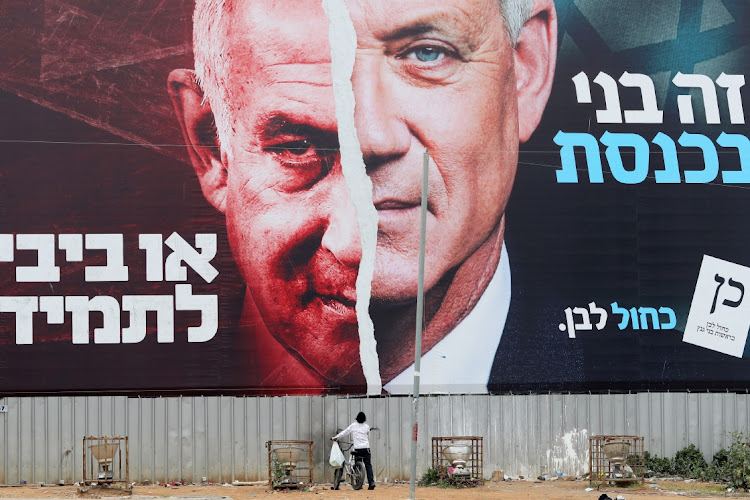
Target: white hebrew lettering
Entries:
(208, 305)
(73, 246)
(685, 102)
(6, 248)
(612, 112)
(81, 307)
(24, 307)
(583, 90)
(45, 270)
(183, 252)
(650, 112)
(138, 305)
(154, 247)
(115, 269)
(602, 315)
(733, 84)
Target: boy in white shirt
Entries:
(360, 432)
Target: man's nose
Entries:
(379, 117)
(341, 236)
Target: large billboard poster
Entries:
(223, 196)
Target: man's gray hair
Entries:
(210, 51)
(515, 14)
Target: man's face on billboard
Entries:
(435, 75)
(291, 226)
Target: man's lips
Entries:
(340, 305)
(346, 302)
(335, 296)
(390, 204)
(399, 214)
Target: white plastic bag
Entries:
(337, 457)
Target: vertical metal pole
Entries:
(420, 317)
(84, 462)
(127, 466)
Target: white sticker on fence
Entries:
(719, 315)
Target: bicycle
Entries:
(354, 468)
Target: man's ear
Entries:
(199, 130)
(535, 58)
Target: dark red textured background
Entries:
(84, 82)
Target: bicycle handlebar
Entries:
(345, 446)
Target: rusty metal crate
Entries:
(290, 464)
(474, 464)
(616, 459)
(105, 461)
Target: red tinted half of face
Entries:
(277, 177)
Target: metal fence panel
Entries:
(223, 438)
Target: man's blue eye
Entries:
(427, 54)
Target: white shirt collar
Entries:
(461, 362)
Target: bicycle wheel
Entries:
(337, 477)
(358, 475)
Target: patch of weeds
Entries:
(430, 478)
(730, 466)
(663, 466)
(689, 462)
(738, 462)
(279, 473)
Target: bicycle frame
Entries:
(353, 467)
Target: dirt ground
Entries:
(515, 490)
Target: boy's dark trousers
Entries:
(364, 454)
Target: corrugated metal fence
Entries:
(223, 438)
